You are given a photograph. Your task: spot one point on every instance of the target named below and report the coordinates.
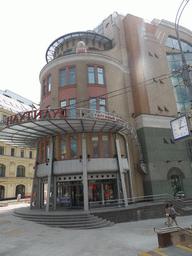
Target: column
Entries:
(85, 181)
(50, 166)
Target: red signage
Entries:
(37, 114)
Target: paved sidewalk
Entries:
(24, 238)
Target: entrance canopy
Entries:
(27, 128)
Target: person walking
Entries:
(167, 214)
(173, 214)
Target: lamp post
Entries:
(187, 79)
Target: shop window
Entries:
(2, 170)
(22, 152)
(73, 146)
(95, 145)
(12, 152)
(106, 146)
(67, 76)
(96, 75)
(1, 150)
(72, 108)
(20, 171)
(68, 147)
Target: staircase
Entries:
(80, 221)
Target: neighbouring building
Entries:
(103, 128)
(16, 163)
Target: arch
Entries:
(176, 176)
(2, 170)
(20, 171)
(175, 170)
(20, 189)
(2, 191)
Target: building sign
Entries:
(109, 117)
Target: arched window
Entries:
(20, 171)
(2, 191)
(176, 183)
(2, 170)
(20, 189)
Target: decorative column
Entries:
(85, 181)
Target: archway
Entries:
(20, 189)
(176, 176)
(2, 191)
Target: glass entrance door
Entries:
(77, 195)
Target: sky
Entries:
(28, 27)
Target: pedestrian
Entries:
(167, 214)
(173, 214)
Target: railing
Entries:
(142, 200)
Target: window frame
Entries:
(96, 74)
(101, 145)
(67, 76)
(3, 171)
(22, 153)
(2, 151)
(45, 87)
(68, 153)
(22, 170)
(43, 151)
(12, 152)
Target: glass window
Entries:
(73, 146)
(30, 154)
(102, 103)
(48, 83)
(93, 106)
(72, 108)
(22, 153)
(2, 170)
(43, 152)
(63, 104)
(63, 77)
(47, 150)
(20, 171)
(12, 152)
(95, 145)
(100, 75)
(1, 150)
(71, 75)
(91, 75)
(63, 147)
(106, 147)
(44, 87)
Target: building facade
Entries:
(103, 128)
(16, 163)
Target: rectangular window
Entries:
(47, 150)
(72, 76)
(63, 104)
(30, 154)
(63, 77)
(95, 145)
(91, 75)
(48, 83)
(4, 118)
(106, 146)
(100, 75)
(22, 153)
(12, 152)
(43, 152)
(1, 150)
(73, 146)
(93, 106)
(102, 104)
(44, 87)
(63, 147)
(72, 108)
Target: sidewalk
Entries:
(24, 238)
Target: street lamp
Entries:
(187, 79)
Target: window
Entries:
(30, 154)
(102, 104)
(22, 153)
(95, 145)
(44, 151)
(73, 146)
(48, 83)
(20, 171)
(47, 150)
(72, 108)
(1, 150)
(91, 75)
(2, 170)
(63, 104)
(96, 75)
(44, 87)
(67, 76)
(63, 147)
(93, 106)
(106, 146)
(12, 152)
(68, 147)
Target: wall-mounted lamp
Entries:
(80, 157)
(88, 157)
(167, 161)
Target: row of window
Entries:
(68, 147)
(20, 189)
(2, 152)
(67, 76)
(20, 170)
